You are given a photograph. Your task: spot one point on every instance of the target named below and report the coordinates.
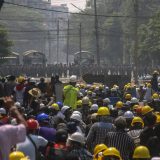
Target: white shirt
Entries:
(28, 148)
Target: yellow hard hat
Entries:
(17, 155)
(158, 119)
(20, 79)
(135, 106)
(141, 152)
(146, 109)
(137, 120)
(89, 92)
(128, 96)
(103, 111)
(99, 148)
(112, 152)
(56, 106)
(155, 96)
(79, 103)
(149, 85)
(119, 104)
(101, 86)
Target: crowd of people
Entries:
(78, 121)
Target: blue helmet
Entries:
(42, 117)
(60, 104)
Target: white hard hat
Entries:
(77, 112)
(94, 107)
(155, 158)
(93, 94)
(33, 80)
(76, 117)
(85, 100)
(77, 137)
(42, 105)
(73, 78)
(17, 104)
(64, 108)
(134, 100)
(128, 114)
(106, 100)
(2, 111)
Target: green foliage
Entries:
(117, 34)
(5, 44)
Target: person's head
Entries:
(3, 113)
(111, 154)
(72, 127)
(141, 153)
(66, 110)
(102, 112)
(128, 115)
(137, 123)
(150, 120)
(85, 101)
(99, 148)
(120, 123)
(32, 125)
(73, 80)
(42, 79)
(114, 112)
(43, 119)
(76, 140)
(61, 136)
(16, 155)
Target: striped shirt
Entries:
(122, 141)
(98, 133)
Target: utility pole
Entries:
(49, 47)
(80, 46)
(57, 41)
(136, 9)
(67, 43)
(96, 33)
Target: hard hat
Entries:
(17, 104)
(128, 96)
(146, 109)
(106, 100)
(32, 80)
(55, 106)
(60, 104)
(128, 114)
(20, 79)
(158, 119)
(141, 152)
(137, 120)
(156, 72)
(113, 89)
(119, 104)
(99, 148)
(73, 78)
(89, 92)
(77, 137)
(79, 103)
(101, 86)
(135, 106)
(149, 85)
(42, 117)
(77, 112)
(2, 111)
(94, 107)
(134, 100)
(32, 124)
(17, 155)
(64, 108)
(103, 111)
(76, 117)
(155, 96)
(85, 100)
(112, 152)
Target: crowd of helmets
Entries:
(80, 132)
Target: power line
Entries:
(83, 14)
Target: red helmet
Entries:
(32, 124)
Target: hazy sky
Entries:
(78, 3)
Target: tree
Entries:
(5, 44)
(150, 39)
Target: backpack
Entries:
(56, 152)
